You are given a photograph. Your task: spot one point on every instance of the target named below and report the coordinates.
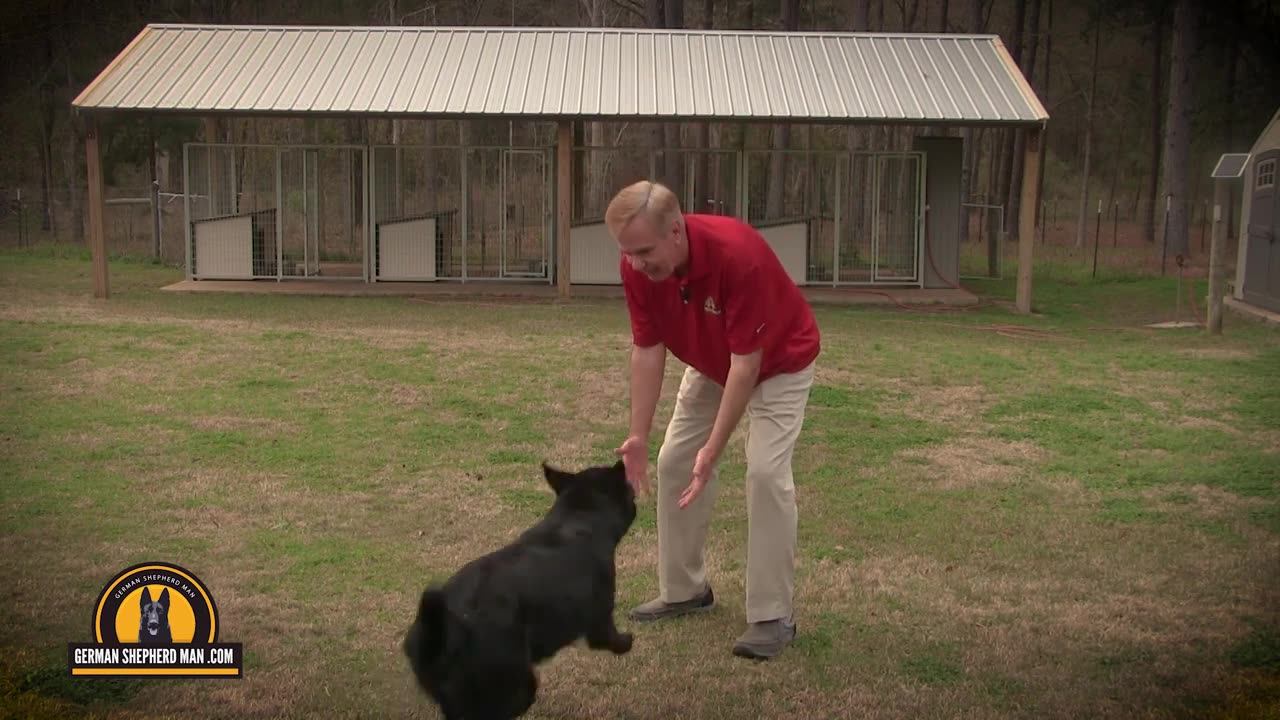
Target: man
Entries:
(709, 289)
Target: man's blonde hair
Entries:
(652, 199)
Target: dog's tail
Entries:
(431, 614)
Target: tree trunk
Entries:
(859, 21)
(1178, 122)
(781, 132)
(706, 194)
(48, 117)
(673, 168)
(657, 18)
(1029, 70)
(1010, 156)
(596, 185)
(1083, 220)
(969, 162)
(1157, 105)
(75, 163)
(1044, 134)
(1228, 134)
(860, 15)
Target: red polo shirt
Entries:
(734, 298)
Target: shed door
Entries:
(1262, 266)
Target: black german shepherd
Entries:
(476, 639)
(153, 625)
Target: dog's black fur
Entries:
(476, 640)
(153, 625)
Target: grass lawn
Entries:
(1080, 521)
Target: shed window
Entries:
(1266, 174)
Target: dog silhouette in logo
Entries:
(153, 626)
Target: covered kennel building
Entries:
(432, 213)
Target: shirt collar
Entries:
(699, 263)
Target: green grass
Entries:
(1080, 522)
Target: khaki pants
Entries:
(773, 418)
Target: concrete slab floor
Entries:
(540, 291)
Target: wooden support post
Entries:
(1221, 210)
(564, 202)
(97, 227)
(1027, 216)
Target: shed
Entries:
(1257, 282)
(495, 213)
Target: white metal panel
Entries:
(790, 243)
(593, 256)
(407, 250)
(224, 248)
(577, 72)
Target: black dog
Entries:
(153, 625)
(477, 638)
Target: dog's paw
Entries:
(621, 644)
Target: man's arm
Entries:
(745, 320)
(743, 371)
(647, 367)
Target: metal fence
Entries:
(380, 213)
(435, 212)
(834, 217)
(860, 213)
(139, 221)
(982, 257)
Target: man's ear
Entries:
(557, 479)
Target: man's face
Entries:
(651, 250)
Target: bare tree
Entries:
(595, 135)
(1157, 131)
(657, 18)
(781, 131)
(674, 175)
(703, 183)
(1082, 220)
(1028, 67)
(860, 21)
(1044, 134)
(861, 14)
(1008, 149)
(1178, 122)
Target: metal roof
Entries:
(566, 73)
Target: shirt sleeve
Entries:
(745, 312)
(644, 331)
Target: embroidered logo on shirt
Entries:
(710, 306)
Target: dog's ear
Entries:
(144, 597)
(556, 478)
(164, 598)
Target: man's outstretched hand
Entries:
(635, 456)
(701, 473)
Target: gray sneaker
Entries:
(765, 640)
(656, 609)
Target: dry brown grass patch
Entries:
(973, 461)
(1204, 500)
(1217, 353)
(958, 404)
(216, 423)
